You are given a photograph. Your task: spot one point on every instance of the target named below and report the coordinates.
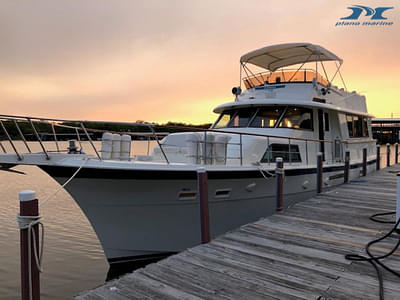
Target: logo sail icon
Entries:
(375, 13)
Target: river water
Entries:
(73, 258)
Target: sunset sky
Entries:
(174, 60)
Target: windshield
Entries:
(267, 117)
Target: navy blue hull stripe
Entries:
(66, 172)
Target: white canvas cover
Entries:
(283, 55)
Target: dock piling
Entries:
(346, 166)
(364, 165)
(378, 157)
(202, 180)
(396, 151)
(29, 245)
(398, 201)
(279, 183)
(387, 155)
(319, 172)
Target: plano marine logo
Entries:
(362, 15)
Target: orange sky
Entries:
(173, 60)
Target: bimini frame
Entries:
(274, 57)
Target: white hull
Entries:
(143, 218)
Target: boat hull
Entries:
(143, 217)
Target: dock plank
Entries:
(296, 254)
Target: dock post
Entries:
(279, 183)
(364, 165)
(29, 211)
(398, 201)
(396, 151)
(387, 155)
(202, 180)
(378, 157)
(346, 166)
(319, 172)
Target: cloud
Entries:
(153, 60)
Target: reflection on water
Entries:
(73, 258)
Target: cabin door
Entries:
(321, 133)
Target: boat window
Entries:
(350, 125)
(242, 118)
(267, 117)
(297, 118)
(357, 125)
(326, 118)
(282, 150)
(224, 119)
(365, 126)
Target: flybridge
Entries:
(274, 58)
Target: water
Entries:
(73, 259)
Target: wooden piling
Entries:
(202, 180)
(378, 157)
(319, 172)
(398, 202)
(387, 155)
(364, 164)
(30, 280)
(279, 183)
(346, 166)
(396, 152)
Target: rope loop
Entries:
(28, 223)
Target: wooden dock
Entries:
(296, 254)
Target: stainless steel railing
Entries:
(336, 151)
(79, 129)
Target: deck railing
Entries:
(334, 149)
(283, 76)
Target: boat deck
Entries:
(296, 254)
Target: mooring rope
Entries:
(27, 222)
(279, 171)
(65, 183)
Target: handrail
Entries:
(336, 154)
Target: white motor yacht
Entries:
(146, 206)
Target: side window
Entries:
(365, 126)
(297, 118)
(326, 119)
(357, 125)
(282, 150)
(350, 125)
